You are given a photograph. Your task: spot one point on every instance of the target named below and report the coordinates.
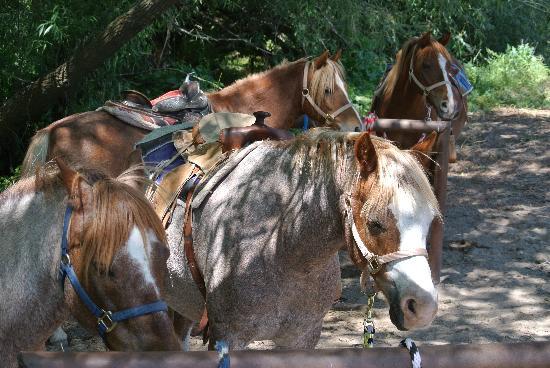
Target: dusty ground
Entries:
(496, 263)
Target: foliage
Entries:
(6, 181)
(516, 77)
(223, 40)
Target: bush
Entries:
(516, 77)
(6, 181)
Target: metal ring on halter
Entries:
(305, 92)
(106, 319)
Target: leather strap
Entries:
(188, 241)
(198, 278)
(307, 96)
(374, 261)
(425, 90)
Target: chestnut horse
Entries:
(98, 140)
(419, 87)
(268, 225)
(115, 246)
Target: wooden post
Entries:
(435, 243)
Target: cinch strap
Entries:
(106, 320)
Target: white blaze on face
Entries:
(340, 84)
(450, 99)
(413, 222)
(140, 254)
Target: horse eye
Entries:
(328, 91)
(426, 66)
(375, 227)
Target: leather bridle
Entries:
(374, 261)
(425, 89)
(329, 117)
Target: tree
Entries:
(31, 102)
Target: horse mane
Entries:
(330, 154)
(116, 207)
(402, 60)
(323, 78)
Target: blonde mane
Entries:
(113, 210)
(330, 154)
(402, 62)
(325, 78)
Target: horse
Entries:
(314, 87)
(419, 87)
(113, 257)
(268, 223)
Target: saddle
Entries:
(188, 104)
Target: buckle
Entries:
(329, 117)
(65, 259)
(106, 320)
(305, 92)
(373, 265)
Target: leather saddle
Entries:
(186, 104)
(238, 137)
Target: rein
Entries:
(329, 117)
(106, 319)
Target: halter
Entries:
(425, 90)
(374, 261)
(106, 320)
(306, 96)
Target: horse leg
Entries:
(183, 328)
(59, 338)
(235, 340)
(305, 338)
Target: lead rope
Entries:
(223, 354)
(368, 324)
(416, 360)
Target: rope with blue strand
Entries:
(223, 353)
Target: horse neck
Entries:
(29, 259)
(317, 233)
(277, 91)
(406, 101)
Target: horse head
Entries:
(117, 248)
(430, 69)
(389, 212)
(324, 93)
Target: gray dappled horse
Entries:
(117, 250)
(267, 226)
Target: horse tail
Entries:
(37, 153)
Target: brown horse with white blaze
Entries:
(420, 87)
(314, 87)
(115, 246)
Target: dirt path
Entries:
(496, 264)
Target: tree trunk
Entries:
(30, 103)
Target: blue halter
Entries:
(106, 320)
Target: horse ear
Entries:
(321, 60)
(337, 55)
(366, 154)
(444, 40)
(422, 149)
(67, 175)
(425, 39)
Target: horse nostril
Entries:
(411, 306)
